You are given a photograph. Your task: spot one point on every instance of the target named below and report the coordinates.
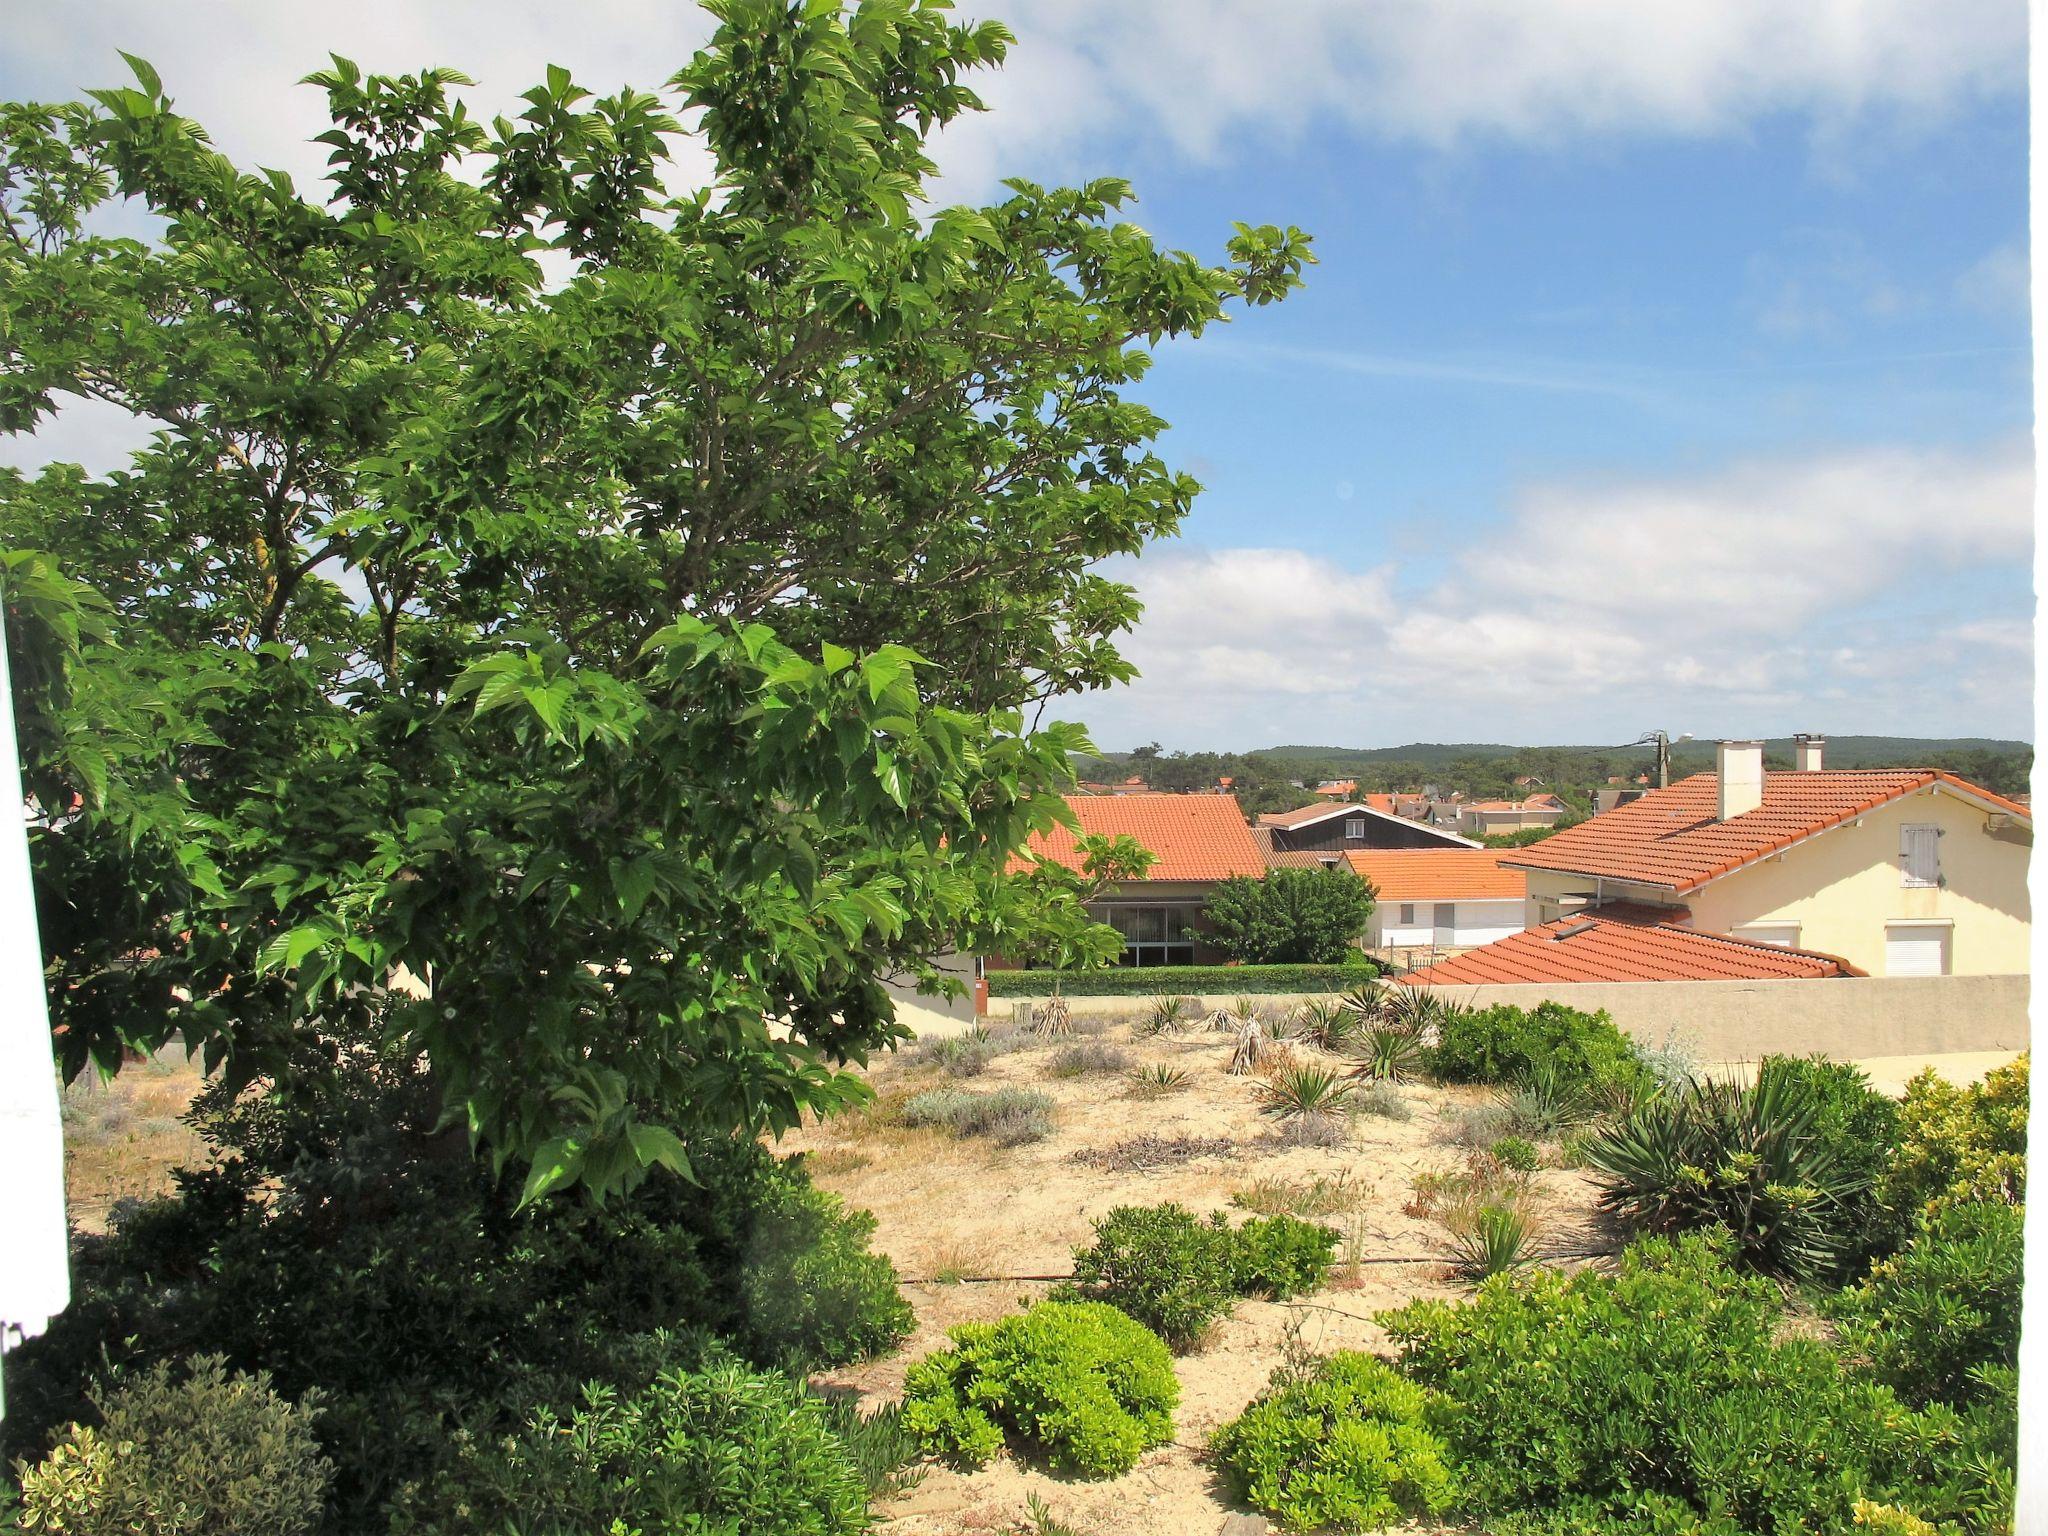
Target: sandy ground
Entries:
(964, 1208)
(122, 1138)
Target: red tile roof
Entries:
(1339, 788)
(1380, 802)
(1197, 837)
(1626, 943)
(1437, 874)
(1670, 838)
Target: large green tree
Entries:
(1290, 917)
(641, 660)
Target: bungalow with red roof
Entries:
(1626, 942)
(1198, 840)
(1439, 898)
(1889, 872)
(1336, 829)
(1483, 818)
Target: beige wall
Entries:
(1842, 887)
(1851, 1018)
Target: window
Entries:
(1407, 914)
(1916, 949)
(1919, 855)
(1153, 935)
(1354, 826)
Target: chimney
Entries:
(1740, 768)
(1806, 751)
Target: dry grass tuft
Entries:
(1143, 1153)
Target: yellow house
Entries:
(1899, 872)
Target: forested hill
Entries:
(1842, 751)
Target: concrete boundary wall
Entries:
(1850, 1018)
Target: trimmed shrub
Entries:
(1661, 1398)
(1751, 1159)
(1505, 1044)
(1209, 980)
(1010, 1116)
(1934, 1315)
(1958, 1144)
(714, 1450)
(1079, 1382)
(211, 1452)
(1344, 1445)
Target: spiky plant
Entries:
(1388, 1054)
(1325, 1024)
(1304, 1088)
(1546, 1103)
(1165, 1016)
(1412, 1008)
(1497, 1239)
(1367, 1001)
(1155, 1080)
(1744, 1157)
(1243, 1009)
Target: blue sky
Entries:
(1664, 365)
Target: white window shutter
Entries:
(1919, 855)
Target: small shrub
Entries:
(1497, 1239)
(1282, 1257)
(1505, 1044)
(1381, 1100)
(723, 1448)
(1547, 1103)
(1860, 1126)
(1080, 1382)
(1322, 1195)
(1346, 1445)
(1747, 1158)
(1155, 1080)
(208, 1453)
(1516, 1153)
(1663, 1397)
(1958, 1144)
(880, 1445)
(1934, 1315)
(1171, 1270)
(1085, 1058)
(1301, 1090)
(966, 1055)
(1009, 1116)
(1478, 1127)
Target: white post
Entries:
(35, 1264)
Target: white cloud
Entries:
(1768, 597)
(1997, 283)
(1200, 78)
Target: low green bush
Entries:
(1079, 1382)
(1750, 1158)
(1208, 980)
(1177, 1273)
(1172, 1270)
(1515, 1152)
(1582, 1052)
(1958, 1144)
(1664, 1397)
(969, 1054)
(205, 1452)
(1009, 1116)
(715, 1450)
(1345, 1445)
(1936, 1314)
(1283, 1256)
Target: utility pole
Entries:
(1662, 739)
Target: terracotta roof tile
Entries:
(1626, 944)
(1670, 838)
(1197, 837)
(1437, 874)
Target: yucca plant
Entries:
(1249, 1049)
(1325, 1024)
(1165, 1016)
(1242, 1010)
(1155, 1080)
(1367, 1001)
(1744, 1157)
(1497, 1239)
(1412, 1008)
(1545, 1103)
(1388, 1054)
(1304, 1088)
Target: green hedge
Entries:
(1185, 980)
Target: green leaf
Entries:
(557, 1164)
